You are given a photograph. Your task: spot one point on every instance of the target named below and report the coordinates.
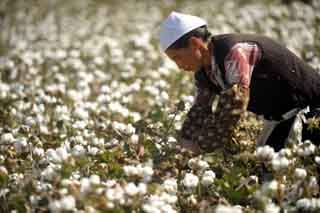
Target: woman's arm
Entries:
(221, 128)
(200, 110)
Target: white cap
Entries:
(176, 25)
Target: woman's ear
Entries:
(195, 43)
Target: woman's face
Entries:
(189, 58)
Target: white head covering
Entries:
(176, 25)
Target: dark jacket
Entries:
(280, 80)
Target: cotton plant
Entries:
(90, 113)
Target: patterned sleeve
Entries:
(240, 62)
(222, 128)
(200, 109)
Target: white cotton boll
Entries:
(164, 96)
(304, 204)
(170, 185)
(3, 171)
(147, 173)
(119, 126)
(134, 139)
(62, 153)
(314, 204)
(276, 165)
(98, 60)
(310, 149)
(61, 113)
(14, 113)
(270, 187)
(172, 140)
(135, 116)
(306, 149)
(279, 163)
(103, 99)
(113, 142)
(131, 189)
(34, 200)
(75, 175)
(203, 165)
(68, 203)
(142, 188)
(58, 155)
(130, 170)
(78, 139)
(208, 178)
(285, 152)
(313, 185)
(2, 158)
(80, 125)
(93, 150)
(44, 129)
(135, 86)
(74, 95)
(169, 198)
(156, 202)
(4, 90)
(224, 209)
(40, 120)
(300, 173)
(317, 160)
(85, 186)
(110, 205)
(49, 173)
(98, 142)
(63, 191)
(95, 179)
(52, 156)
(154, 91)
(90, 209)
(190, 180)
(110, 194)
(38, 152)
(74, 53)
(129, 129)
(60, 54)
(271, 208)
(164, 71)
(55, 206)
(7, 138)
(78, 151)
(81, 113)
(105, 89)
(168, 209)
(115, 194)
(114, 106)
(30, 121)
(149, 208)
(21, 145)
(192, 200)
(198, 164)
(66, 182)
(265, 152)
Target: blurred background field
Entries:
(89, 116)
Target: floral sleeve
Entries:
(221, 129)
(200, 110)
(220, 132)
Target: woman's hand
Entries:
(191, 146)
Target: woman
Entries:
(249, 72)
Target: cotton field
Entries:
(90, 111)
